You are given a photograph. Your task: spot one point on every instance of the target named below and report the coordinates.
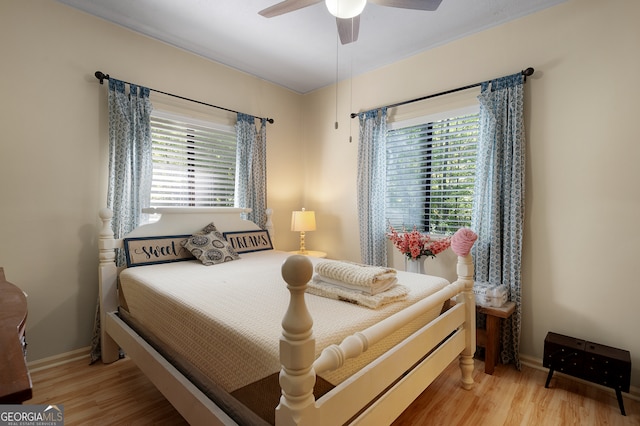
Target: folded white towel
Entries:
(321, 288)
(355, 273)
(379, 286)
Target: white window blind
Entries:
(430, 174)
(194, 163)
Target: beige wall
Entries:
(54, 142)
(582, 197)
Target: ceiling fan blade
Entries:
(429, 5)
(348, 29)
(286, 6)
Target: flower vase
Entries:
(414, 265)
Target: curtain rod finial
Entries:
(101, 76)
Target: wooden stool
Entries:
(489, 339)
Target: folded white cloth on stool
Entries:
(492, 296)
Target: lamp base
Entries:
(302, 250)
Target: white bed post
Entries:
(107, 282)
(465, 275)
(268, 226)
(297, 347)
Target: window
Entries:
(194, 162)
(430, 173)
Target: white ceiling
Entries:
(300, 50)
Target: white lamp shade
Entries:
(345, 9)
(302, 221)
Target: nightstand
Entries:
(311, 253)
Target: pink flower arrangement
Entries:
(415, 244)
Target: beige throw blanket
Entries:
(382, 286)
(364, 278)
(372, 301)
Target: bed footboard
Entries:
(465, 275)
(393, 380)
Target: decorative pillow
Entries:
(210, 247)
(209, 228)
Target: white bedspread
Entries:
(226, 318)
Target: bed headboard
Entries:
(187, 220)
(178, 221)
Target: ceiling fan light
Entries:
(345, 9)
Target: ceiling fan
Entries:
(347, 12)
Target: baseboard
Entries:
(634, 392)
(61, 359)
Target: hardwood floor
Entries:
(119, 394)
(103, 394)
(511, 397)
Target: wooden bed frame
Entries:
(376, 395)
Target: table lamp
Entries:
(303, 221)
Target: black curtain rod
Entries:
(526, 73)
(102, 76)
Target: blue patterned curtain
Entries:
(372, 170)
(498, 208)
(130, 168)
(251, 167)
(130, 163)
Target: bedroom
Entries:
(581, 180)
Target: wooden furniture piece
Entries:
(377, 394)
(15, 381)
(604, 365)
(489, 338)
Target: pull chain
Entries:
(337, 66)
